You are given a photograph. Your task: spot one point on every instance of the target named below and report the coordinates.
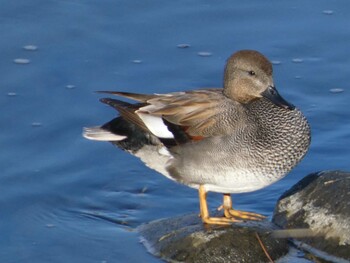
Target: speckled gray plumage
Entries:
(268, 141)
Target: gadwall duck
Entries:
(235, 139)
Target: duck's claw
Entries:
(243, 215)
(229, 212)
(220, 220)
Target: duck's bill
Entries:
(272, 94)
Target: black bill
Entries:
(272, 94)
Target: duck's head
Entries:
(248, 77)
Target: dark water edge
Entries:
(66, 199)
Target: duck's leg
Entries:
(204, 212)
(229, 212)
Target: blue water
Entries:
(66, 199)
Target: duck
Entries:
(236, 139)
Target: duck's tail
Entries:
(97, 133)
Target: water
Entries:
(66, 199)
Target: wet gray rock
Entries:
(187, 239)
(321, 203)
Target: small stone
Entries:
(30, 47)
(297, 60)
(21, 61)
(183, 45)
(276, 62)
(336, 90)
(204, 54)
(328, 12)
(36, 124)
(69, 86)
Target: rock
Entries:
(187, 239)
(319, 202)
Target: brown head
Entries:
(248, 77)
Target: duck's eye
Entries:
(251, 73)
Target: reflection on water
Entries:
(66, 199)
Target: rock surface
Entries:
(187, 239)
(321, 203)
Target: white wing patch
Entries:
(98, 134)
(155, 124)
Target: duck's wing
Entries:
(197, 114)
